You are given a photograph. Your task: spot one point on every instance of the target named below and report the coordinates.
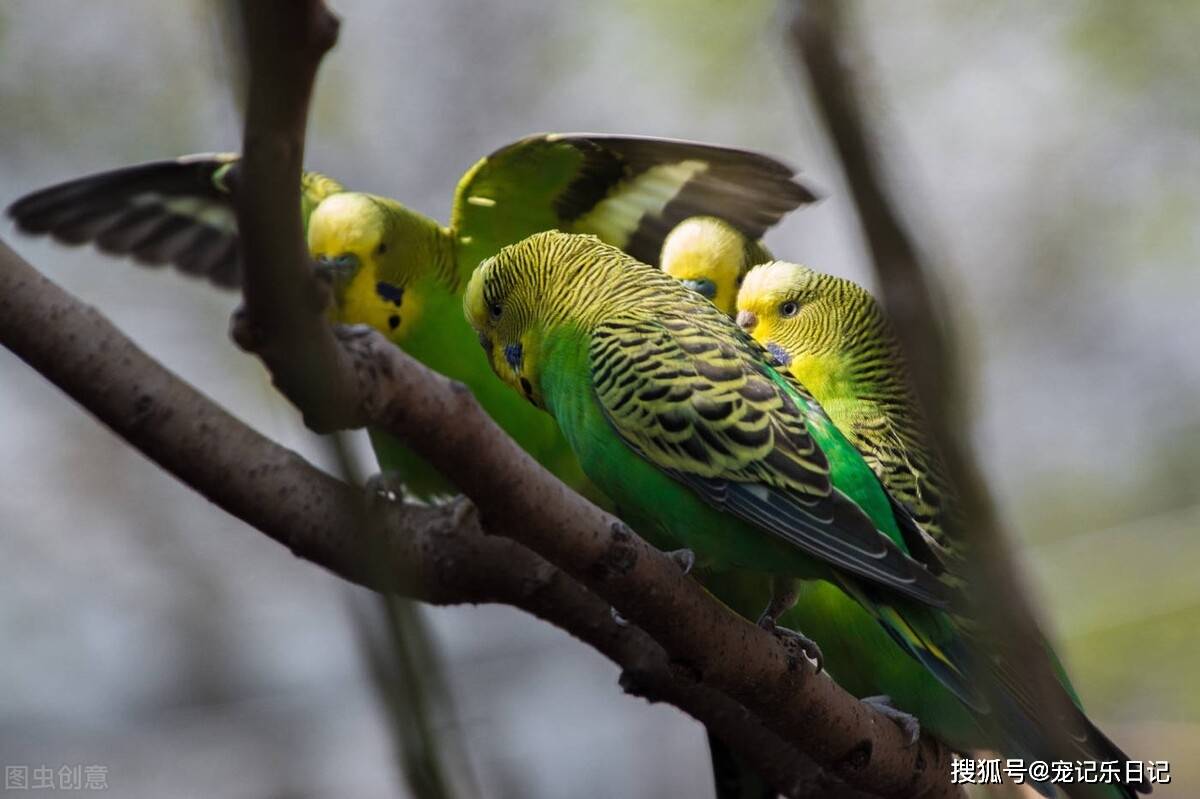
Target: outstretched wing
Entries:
(710, 413)
(178, 211)
(628, 191)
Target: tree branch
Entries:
(824, 44)
(440, 420)
(693, 652)
(438, 554)
(284, 299)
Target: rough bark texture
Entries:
(438, 554)
(541, 547)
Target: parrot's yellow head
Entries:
(711, 257)
(815, 324)
(377, 255)
(548, 281)
(504, 311)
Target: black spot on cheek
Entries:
(486, 343)
(390, 292)
(381, 249)
(394, 321)
(527, 387)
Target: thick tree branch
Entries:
(825, 45)
(694, 647)
(283, 296)
(438, 554)
(442, 422)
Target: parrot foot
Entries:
(783, 597)
(685, 559)
(808, 646)
(464, 509)
(620, 620)
(385, 487)
(907, 721)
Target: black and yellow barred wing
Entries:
(628, 191)
(706, 410)
(178, 211)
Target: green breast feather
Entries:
(675, 413)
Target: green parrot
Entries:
(833, 337)
(402, 272)
(857, 375)
(711, 257)
(679, 417)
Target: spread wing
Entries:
(178, 211)
(628, 191)
(706, 410)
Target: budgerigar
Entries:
(711, 257)
(402, 272)
(679, 417)
(834, 338)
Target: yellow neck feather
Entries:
(826, 376)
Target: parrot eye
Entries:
(495, 309)
(789, 309)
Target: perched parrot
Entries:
(402, 272)
(858, 375)
(679, 417)
(834, 338)
(711, 257)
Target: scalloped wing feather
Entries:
(709, 412)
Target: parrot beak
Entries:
(337, 270)
(485, 341)
(747, 321)
(705, 288)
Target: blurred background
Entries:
(1046, 155)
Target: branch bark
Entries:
(442, 422)
(686, 649)
(437, 554)
(284, 299)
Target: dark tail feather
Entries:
(1029, 737)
